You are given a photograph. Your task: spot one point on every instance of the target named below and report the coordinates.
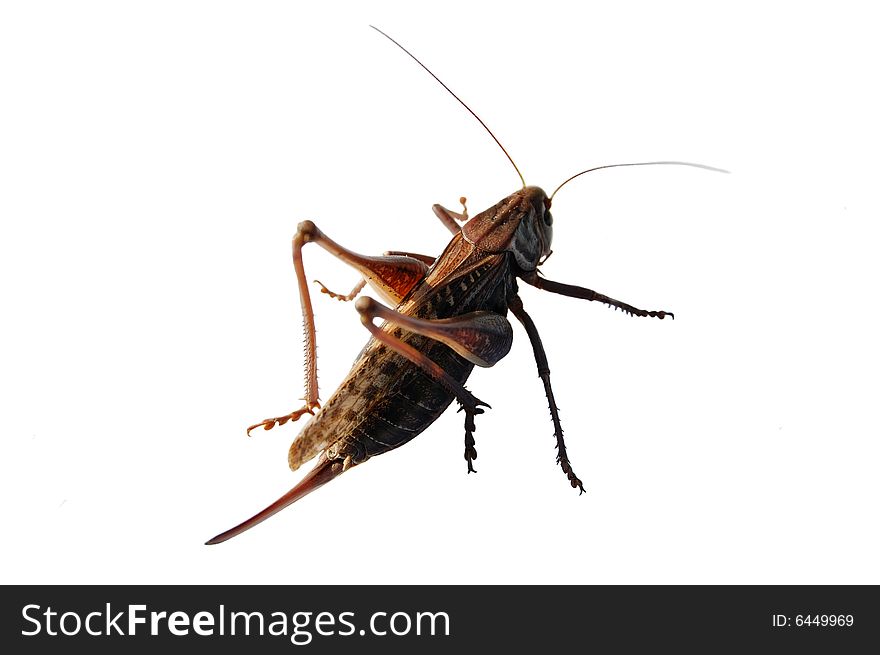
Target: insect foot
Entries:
(562, 459)
(270, 423)
(338, 296)
(471, 407)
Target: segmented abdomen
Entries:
(403, 406)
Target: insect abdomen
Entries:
(401, 408)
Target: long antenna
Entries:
(463, 104)
(641, 163)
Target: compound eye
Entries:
(548, 219)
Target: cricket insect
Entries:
(449, 315)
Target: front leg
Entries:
(449, 217)
(481, 337)
(588, 294)
(519, 311)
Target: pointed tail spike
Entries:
(324, 471)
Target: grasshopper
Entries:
(449, 315)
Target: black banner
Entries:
(438, 619)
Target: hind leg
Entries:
(516, 307)
(392, 275)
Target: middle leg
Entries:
(481, 337)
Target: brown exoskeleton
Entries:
(449, 315)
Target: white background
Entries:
(155, 159)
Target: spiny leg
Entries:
(393, 276)
(449, 217)
(305, 232)
(481, 337)
(519, 311)
(588, 294)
